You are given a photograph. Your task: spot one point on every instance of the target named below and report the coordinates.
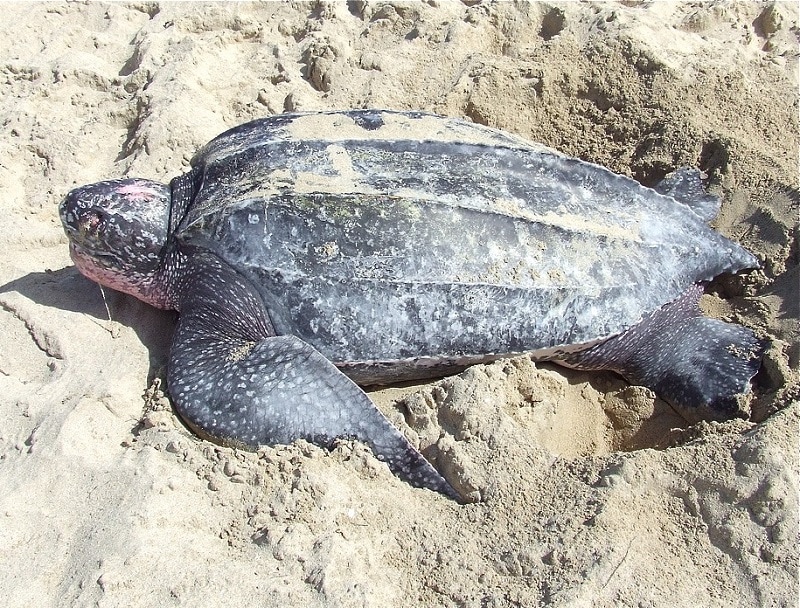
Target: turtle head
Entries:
(117, 234)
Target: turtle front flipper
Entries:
(233, 381)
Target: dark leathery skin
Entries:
(399, 245)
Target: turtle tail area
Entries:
(701, 366)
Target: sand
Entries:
(591, 492)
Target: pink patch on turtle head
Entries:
(138, 191)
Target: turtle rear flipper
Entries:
(686, 186)
(699, 365)
(235, 382)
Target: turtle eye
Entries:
(94, 219)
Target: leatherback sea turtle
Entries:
(309, 253)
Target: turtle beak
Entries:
(82, 225)
(72, 213)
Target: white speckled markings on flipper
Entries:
(234, 381)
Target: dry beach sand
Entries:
(591, 492)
